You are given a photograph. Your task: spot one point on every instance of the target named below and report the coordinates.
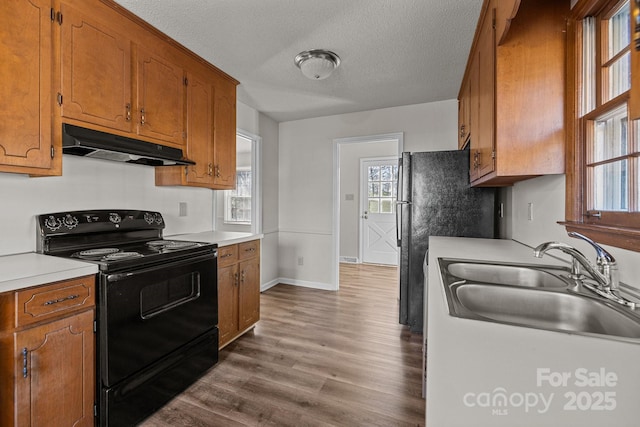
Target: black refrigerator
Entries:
(435, 199)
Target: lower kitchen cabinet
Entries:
(47, 355)
(238, 289)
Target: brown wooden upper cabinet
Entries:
(211, 136)
(224, 119)
(26, 144)
(93, 64)
(464, 113)
(514, 84)
(160, 98)
(96, 72)
(97, 88)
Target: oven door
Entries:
(148, 313)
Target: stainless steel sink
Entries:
(533, 296)
(503, 274)
(544, 309)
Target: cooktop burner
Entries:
(172, 244)
(121, 255)
(91, 253)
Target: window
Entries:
(382, 184)
(238, 201)
(606, 178)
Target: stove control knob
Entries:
(52, 223)
(148, 217)
(158, 218)
(115, 218)
(70, 221)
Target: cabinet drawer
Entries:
(227, 255)
(55, 300)
(248, 249)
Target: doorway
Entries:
(378, 184)
(347, 153)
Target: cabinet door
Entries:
(224, 174)
(25, 72)
(249, 292)
(199, 130)
(485, 127)
(160, 98)
(228, 281)
(474, 113)
(464, 127)
(57, 388)
(96, 72)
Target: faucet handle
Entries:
(602, 256)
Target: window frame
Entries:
(228, 196)
(620, 229)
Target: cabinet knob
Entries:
(143, 117)
(217, 171)
(128, 112)
(210, 169)
(236, 278)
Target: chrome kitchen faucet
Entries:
(605, 272)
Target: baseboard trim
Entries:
(296, 282)
(270, 284)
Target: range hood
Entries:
(100, 145)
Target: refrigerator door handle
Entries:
(399, 205)
(398, 216)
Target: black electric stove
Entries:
(156, 310)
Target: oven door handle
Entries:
(171, 305)
(121, 276)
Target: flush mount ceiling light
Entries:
(317, 64)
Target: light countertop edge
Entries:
(21, 271)
(221, 238)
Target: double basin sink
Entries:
(542, 297)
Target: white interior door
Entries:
(378, 244)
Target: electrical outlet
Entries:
(300, 260)
(182, 209)
(530, 211)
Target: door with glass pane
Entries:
(378, 244)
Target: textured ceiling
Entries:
(393, 52)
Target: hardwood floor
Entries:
(316, 358)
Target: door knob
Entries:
(365, 215)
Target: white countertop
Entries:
(222, 238)
(489, 374)
(32, 269)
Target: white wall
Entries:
(350, 155)
(270, 201)
(94, 184)
(306, 181)
(547, 194)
